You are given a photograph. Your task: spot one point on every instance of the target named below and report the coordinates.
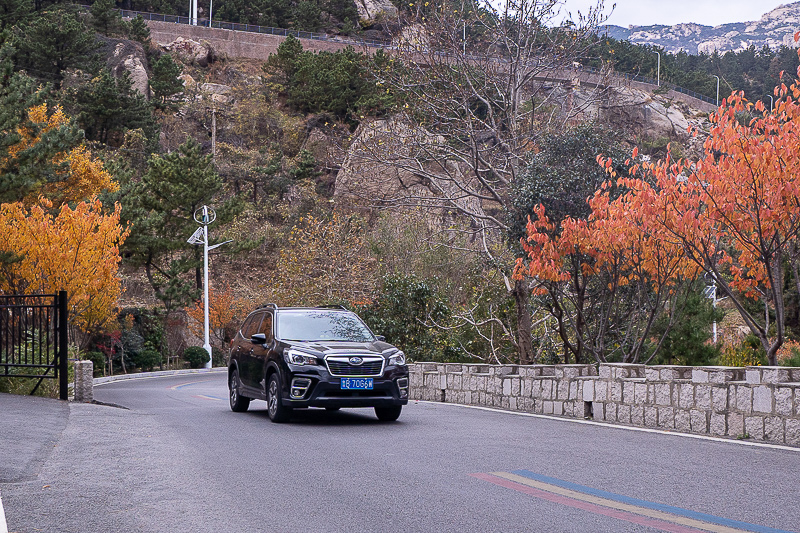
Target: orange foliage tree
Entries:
(75, 249)
(608, 278)
(734, 214)
(225, 314)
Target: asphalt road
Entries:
(178, 460)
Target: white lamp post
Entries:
(771, 102)
(205, 216)
(717, 89)
(658, 69)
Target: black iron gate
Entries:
(33, 338)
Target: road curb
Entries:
(158, 374)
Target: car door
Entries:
(261, 352)
(248, 367)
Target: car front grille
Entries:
(341, 366)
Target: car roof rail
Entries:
(333, 306)
(272, 305)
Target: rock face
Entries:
(774, 29)
(373, 10)
(643, 114)
(122, 56)
(191, 52)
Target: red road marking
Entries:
(586, 506)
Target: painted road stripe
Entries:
(182, 385)
(607, 502)
(732, 525)
(204, 397)
(586, 506)
(3, 525)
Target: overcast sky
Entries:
(669, 12)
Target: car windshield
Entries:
(322, 326)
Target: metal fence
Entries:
(254, 28)
(33, 338)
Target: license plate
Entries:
(356, 383)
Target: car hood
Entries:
(343, 347)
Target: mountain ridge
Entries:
(774, 29)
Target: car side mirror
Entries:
(258, 338)
(380, 338)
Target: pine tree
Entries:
(164, 81)
(160, 209)
(108, 106)
(53, 42)
(105, 17)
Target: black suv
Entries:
(296, 357)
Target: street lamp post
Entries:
(658, 69)
(205, 216)
(771, 101)
(210, 12)
(193, 12)
(717, 89)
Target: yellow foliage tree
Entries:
(327, 261)
(76, 250)
(78, 175)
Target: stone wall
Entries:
(761, 403)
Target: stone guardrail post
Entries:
(84, 387)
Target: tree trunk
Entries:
(524, 333)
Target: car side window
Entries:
(251, 326)
(266, 326)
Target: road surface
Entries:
(176, 459)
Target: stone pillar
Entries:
(84, 391)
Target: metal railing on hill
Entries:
(372, 43)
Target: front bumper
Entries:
(324, 390)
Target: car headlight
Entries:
(397, 358)
(293, 357)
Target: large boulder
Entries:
(371, 11)
(634, 112)
(384, 166)
(191, 52)
(127, 56)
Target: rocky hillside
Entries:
(774, 29)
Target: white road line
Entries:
(3, 525)
(629, 428)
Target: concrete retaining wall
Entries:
(757, 402)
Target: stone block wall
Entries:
(758, 402)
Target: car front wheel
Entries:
(238, 402)
(388, 414)
(275, 409)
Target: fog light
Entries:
(402, 385)
(299, 388)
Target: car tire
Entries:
(239, 403)
(275, 409)
(388, 414)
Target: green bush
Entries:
(401, 311)
(148, 358)
(218, 357)
(196, 356)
